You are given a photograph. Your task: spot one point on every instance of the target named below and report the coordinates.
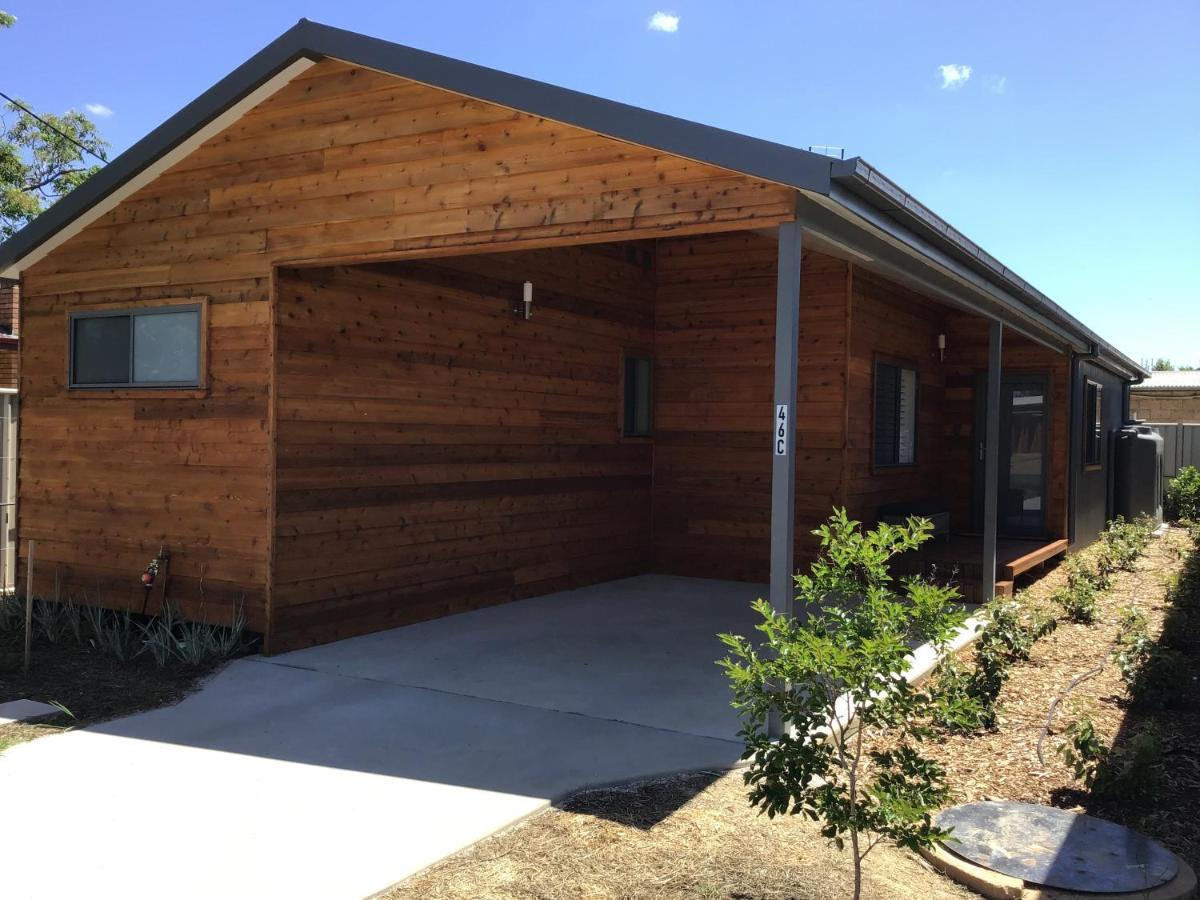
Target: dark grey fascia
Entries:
(726, 149)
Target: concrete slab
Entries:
(331, 782)
(640, 650)
(25, 711)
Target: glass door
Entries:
(1024, 426)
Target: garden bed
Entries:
(92, 686)
(100, 664)
(696, 836)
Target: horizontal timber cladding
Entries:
(437, 451)
(714, 362)
(889, 323)
(342, 162)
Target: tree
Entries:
(1162, 365)
(849, 642)
(42, 157)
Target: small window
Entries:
(1093, 419)
(637, 396)
(895, 415)
(157, 347)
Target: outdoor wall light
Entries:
(942, 347)
(527, 298)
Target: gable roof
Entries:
(846, 200)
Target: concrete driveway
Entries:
(337, 771)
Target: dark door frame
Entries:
(1007, 380)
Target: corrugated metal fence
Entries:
(1182, 446)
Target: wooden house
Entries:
(365, 335)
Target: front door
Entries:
(1024, 424)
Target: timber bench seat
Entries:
(1008, 571)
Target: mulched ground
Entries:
(92, 686)
(1004, 764)
(695, 836)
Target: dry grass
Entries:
(695, 836)
(689, 836)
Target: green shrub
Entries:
(1079, 595)
(965, 701)
(168, 638)
(1124, 774)
(1082, 750)
(1122, 542)
(1182, 500)
(850, 642)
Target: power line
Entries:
(54, 128)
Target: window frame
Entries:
(896, 363)
(627, 355)
(163, 306)
(1093, 425)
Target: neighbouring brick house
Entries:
(1167, 397)
(10, 344)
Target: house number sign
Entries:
(781, 429)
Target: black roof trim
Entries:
(312, 40)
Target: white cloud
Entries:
(954, 75)
(662, 21)
(999, 85)
(98, 109)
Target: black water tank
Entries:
(1137, 482)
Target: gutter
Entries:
(867, 182)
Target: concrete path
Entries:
(336, 771)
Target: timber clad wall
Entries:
(891, 323)
(382, 439)
(438, 452)
(341, 162)
(714, 357)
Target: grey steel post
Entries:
(991, 465)
(783, 429)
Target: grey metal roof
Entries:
(807, 172)
(1182, 380)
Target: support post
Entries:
(991, 465)
(783, 429)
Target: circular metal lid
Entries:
(1056, 848)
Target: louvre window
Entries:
(895, 415)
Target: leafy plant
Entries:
(1124, 774)
(832, 671)
(113, 632)
(172, 639)
(1083, 751)
(964, 701)
(1182, 499)
(1122, 542)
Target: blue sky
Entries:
(1063, 137)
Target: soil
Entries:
(91, 686)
